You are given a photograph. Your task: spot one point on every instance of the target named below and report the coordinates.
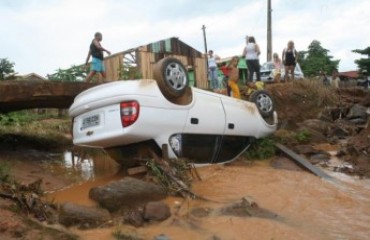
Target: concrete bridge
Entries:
(18, 95)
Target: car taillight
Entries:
(129, 113)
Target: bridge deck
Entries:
(18, 95)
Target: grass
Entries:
(41, 131)
(302, 136)
(263, 148)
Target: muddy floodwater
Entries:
(306, 206)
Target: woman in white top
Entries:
(251, 53)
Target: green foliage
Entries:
(21, 118)
(30, 129)
(158, 174)
(363, 63)
(178, 168)
(303, 136)
(6, 67)
(127, 72)
(317, 59)
(261, 149)
(73, 74)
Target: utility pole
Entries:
(205, 39)
(205, 48)
(269, 34)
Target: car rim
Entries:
(264, 103)
(176, 76)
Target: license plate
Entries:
(90, 122)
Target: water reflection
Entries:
(84, 169)
(80, 166)
(84, 166)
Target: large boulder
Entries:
(317, 125)
(126, 193)
(84, 217)
(357, 111)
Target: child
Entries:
(234, 77)
(277, 68)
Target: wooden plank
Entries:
(303, 162)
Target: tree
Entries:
(6, 67)
(317, 59)
(73, 74)
(363, 63)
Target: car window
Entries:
(202, 149)
(198, 148)
(268, 66)
(231, 147)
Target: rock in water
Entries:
(85, 217)
(157, 211)
(128, 192)
(134, 217)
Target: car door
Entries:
(204, 128)
(239, 128)
(206, 116)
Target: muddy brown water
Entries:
(308, 207)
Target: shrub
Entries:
(261, 149)
(303, 136)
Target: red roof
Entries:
(350, 74)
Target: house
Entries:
(32, 76)
(138, 62)
(349, 75)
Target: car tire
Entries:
(172, 77)
(264, 102)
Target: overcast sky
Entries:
(41, 36)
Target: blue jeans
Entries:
(214, 84)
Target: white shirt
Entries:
(251, 51)
(212, 62)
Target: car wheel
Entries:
(264, 102)
(172, 77)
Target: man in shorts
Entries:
(96, 51)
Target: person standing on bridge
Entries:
(97, 52)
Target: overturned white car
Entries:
(205, 127)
